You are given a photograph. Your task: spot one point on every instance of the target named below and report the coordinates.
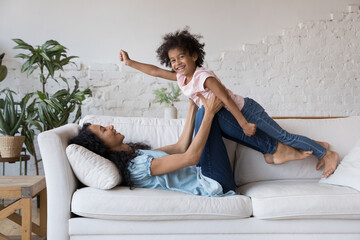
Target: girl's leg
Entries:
(214, 161)
(254, 113)
(260, 141)
(231, 130)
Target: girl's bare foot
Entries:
(286, 153)
(330, 161)
(321, 161)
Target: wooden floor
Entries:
(9, 228)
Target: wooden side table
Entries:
(24, 189)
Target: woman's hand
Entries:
(124, 57)
(249, 129)
(212, 105)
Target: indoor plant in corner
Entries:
(11, 120)
(50, 110)
(162, 96)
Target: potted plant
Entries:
(47, 110)
(11, 120)
(168, 97)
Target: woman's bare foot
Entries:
(285, 153)
(331, 160)
(321, 161)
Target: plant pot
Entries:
(170, 112)
(10, 146)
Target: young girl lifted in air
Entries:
(243, 120)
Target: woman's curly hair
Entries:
(121, 159)
(183, 40)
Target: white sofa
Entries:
(276, 202)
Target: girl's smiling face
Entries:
(182, 62)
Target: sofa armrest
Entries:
(60, 180)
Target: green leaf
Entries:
(41, 95)
(19, 41)
(54, 104)
(78, 114)
(25, 66)
(56, 48)
(5, 128)
(21, 55)
(22, 45)
(43, 54)
(62, 92)
(50, 68)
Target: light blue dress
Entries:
(187, 180)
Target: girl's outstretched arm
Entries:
(186, 136)
(192, 155)
(147, 68)
(219, 90)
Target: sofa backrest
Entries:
(340, 133)
(248, 165)
(156, 132)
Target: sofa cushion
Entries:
(340, 133)
(289, 199)
(348, 171)
(92, 169)
(121, 203)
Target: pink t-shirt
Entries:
(196, 85)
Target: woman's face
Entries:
(108, 135)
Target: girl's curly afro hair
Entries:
(183, 40)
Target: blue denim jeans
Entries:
(214, 161)
(231, 130)
(254, 113)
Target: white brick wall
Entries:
(312, 69)
(309, 70)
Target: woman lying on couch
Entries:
(173, 167)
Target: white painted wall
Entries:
(287, 54)
(95, 30)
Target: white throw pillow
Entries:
(348, 171)
(92, 169)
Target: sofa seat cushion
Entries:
(121, 203)
(289, 199)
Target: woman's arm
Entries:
(219, 90)
(186, 136)
(192, 155)
(147, 68)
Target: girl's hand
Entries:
(212, 105)
(249, 129)
(124, 57)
